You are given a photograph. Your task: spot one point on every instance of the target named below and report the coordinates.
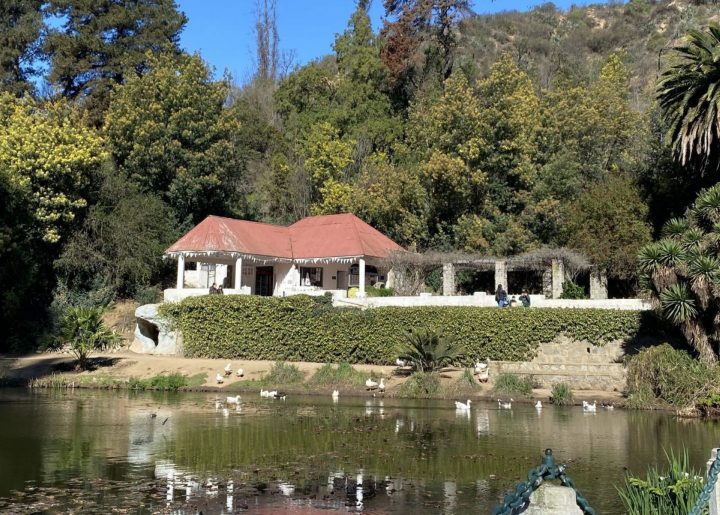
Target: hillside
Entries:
(547, 39)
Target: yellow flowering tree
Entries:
(49, 158)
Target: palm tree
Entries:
(689, 95)
(426, 350)
(85, 331)
(682, 272)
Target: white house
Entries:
(314, 255)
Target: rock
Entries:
(551, 499)
(153, 334)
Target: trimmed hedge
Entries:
(302, 328)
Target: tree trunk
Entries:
(699, 339)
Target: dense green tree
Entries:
(21, 23)
(689, 95)
(682, 272)
(103, 42)
(607, 223)
(170, 132)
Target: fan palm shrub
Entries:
(427, 350)
(84, 330)
(682, 273)
(688, 93)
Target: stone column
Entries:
(551, 499)
(558, 277)
(715, 495)
(501, 275)
(361, 279)
(238, 273)
(181, 272)
(448, 287)
(598, 284)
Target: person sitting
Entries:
(513, 301)
(501, 297)
(219, 290)
(525, 299)
(213, 289)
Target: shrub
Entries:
(670, 492)
(666, 375)
(160, 382)
(570, 290)
(512, 384)
(468, 378)
(561, 394)
(426, 350)
(84, 330)
(148, 295)
(340, 375)
(283, 373)
(372, 291)
(420, 384)
(300, 328)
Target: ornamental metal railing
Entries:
(518, 500)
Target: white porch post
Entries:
(181, 272)
(361, 293)
(238, 273)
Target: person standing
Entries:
(501, 297)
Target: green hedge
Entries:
(302, 328)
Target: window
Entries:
(311, 276)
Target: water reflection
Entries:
(162, 450)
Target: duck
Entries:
(370, 384)
(335, 395)
(271, 393)
(280, 395)
(233, 400)
(505, 404)
(589, 407)
(484, 376)
(228, 369)
(264, 393)
(400, 363)
(462, 406)
(608, 406)
(240, 372)
(480, 366)
(381, 386)
(219, 379)
(538, 405)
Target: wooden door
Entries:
(264, 281)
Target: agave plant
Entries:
(427, 350)
(689, 96)
(85, 331)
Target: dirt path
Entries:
(124, 365)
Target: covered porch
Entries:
(271, 276)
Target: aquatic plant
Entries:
(513, 384)
(283, 373)
(671, 491)
(561, 394)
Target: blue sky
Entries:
(222, 30)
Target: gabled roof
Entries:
(336, 236)
(219, 234)
(315, 237)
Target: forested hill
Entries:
(547, 40)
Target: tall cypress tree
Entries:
(21, 22)
(101, 41)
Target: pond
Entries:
(86, 451)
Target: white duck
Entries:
(400, 362)
(370, 384)
(264, 393)
(228, 369)
(381, 386)
(484, 375)
(219, 379)
(335, 395)
(480, 366)
(462, 406)
(591, 408)
(505, 404)
(240, 372)
(233, 400)
(272, 393)
(538, 405)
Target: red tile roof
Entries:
(325, 236)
